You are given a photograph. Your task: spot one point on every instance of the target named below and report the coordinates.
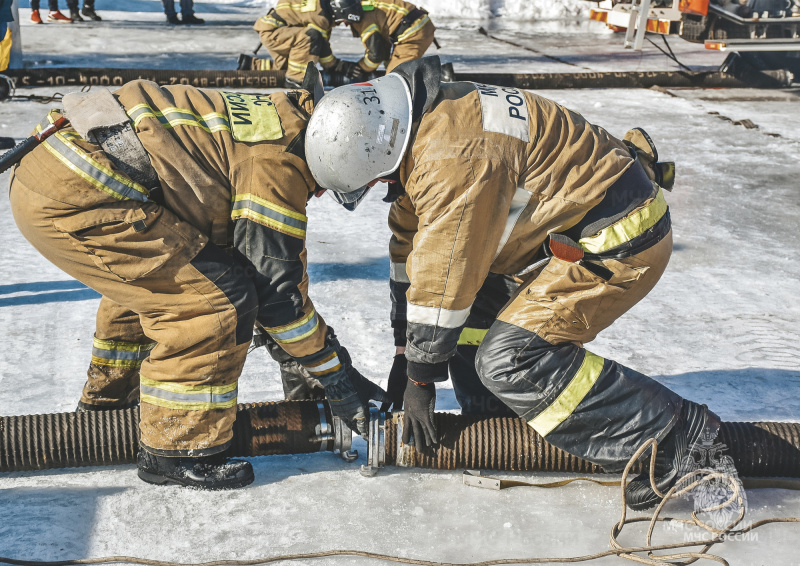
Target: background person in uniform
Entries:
(186, 211)
(296, 34)
(496, 180)
(392, 31)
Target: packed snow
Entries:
(720, 328)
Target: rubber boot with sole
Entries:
(210, 472)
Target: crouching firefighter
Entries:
(501, 181)
(392, 31)
(295, 35)
(185, 209)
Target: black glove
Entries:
(398, 379)
(349, 394)
(420, 402)
(349, 69)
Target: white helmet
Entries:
(357, 134)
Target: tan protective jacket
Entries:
(488, 175)
(306, 14)
(223, 156)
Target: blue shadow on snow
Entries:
(376, 269)
(46, 292)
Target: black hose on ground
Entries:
(66, 77)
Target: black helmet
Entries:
(346, 10)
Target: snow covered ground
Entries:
(720, 328)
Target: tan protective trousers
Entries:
(567, 303)
(290, 48)
(137, 256)
(119, 348)
(533, 359)
(412, 48)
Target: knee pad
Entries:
(234, 280)
(520, 367)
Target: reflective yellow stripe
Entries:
(570, 397)
(472, 336)
(92, 171)
(119, 354)
(295, 66)
(369, 64)
(272, 21)
(326, 60)
(370, 29)
(325, 33)
(171, 117)
(187, 397)
(414, 28)
(122, 364)
(392, 7)
(297, 330)
(628, 228)
(302, 6)
(269, 214)
(263, 64)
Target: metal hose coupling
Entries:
(757, 449)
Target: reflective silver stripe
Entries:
(120, 354)
(83, 164)
(434, 316)
(305, 328)
(397, 272)
(269, 213)
(200, 397)
(518, 203)
(332, 363)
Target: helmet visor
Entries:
(352, 199)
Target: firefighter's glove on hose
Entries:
(398, 379)
(349, 394)
(420, 402)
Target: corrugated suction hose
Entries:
(762, 449)
(104, 438)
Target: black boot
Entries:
(245, 62)
(89, 408)
(89, 12)
(75, 15)
(209, 472)
(694, 424)
(192, 19)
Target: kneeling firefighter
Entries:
(490, 180)
(295, 35)
(185, 209)
(392, 31)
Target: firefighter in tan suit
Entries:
(392, 31)
(296, 33)
(495, 180)
(185, 208)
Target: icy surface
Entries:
(720, 328)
